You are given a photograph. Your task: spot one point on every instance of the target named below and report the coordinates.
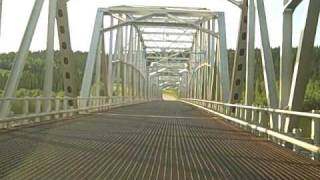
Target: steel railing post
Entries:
(57, 107)
(260, 118)
(65, 107)
(26, 108)
(315, 134)
(297, 132)
(38, 108)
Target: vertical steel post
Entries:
(117, 53)
(223, 59)
(57, 107)
(109, 71)
(315, 135)
(70, 75)
(125, 60)
(48, 77)
(0, 16)
(26, 106)
(250, 58)
(209, 60)
(104, 65)
(138, 68)
(65, 107)
(98, 69)
(130, 56)
(286, 62)
(212, 62)
(201, 60)
(196, 79)
(38, 108)
(238, 73)
(133, 62)
(218, 96)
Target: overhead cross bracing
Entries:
(169, 35)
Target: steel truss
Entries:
(144, 49)
(129, 76)
(166, 35)
(293, 81)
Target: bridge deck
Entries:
(159, 140)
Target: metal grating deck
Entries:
(159, 140)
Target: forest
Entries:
(33, 75)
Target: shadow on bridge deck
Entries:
(159, 140)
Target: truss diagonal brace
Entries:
(237, 3)
(128, 22)
(88, 73)
(192, 25)
(303, 64)
(292, 4)
(267, 62)
(20, 59)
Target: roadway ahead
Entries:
(158, 140)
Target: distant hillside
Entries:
(32, 78)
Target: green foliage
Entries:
(170, 92)
(312, 97)
(28, 93)
(33, 75)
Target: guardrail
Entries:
(255, 123)
(29, 110)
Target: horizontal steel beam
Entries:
(170, 61)
(161, 57)
(152, 24)
(167, 40)
(169, 74)
(163, 24)
(167, 47)
(179, 11)
(168, 33)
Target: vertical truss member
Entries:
(239, 70)
(0, 14)
(71, 78)
(58, 11)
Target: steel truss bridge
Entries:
(113, 124)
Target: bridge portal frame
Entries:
(138, 17)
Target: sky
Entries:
(82, 13)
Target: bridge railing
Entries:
(30, 110)
(236, 114)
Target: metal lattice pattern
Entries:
(159, 140)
